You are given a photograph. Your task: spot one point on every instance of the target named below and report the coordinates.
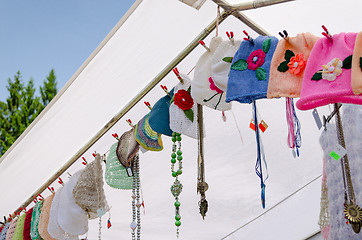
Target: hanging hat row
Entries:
(65, 213)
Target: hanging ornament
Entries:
(136, 216)
(176, 187)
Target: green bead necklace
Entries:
(176, 187)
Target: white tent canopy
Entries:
(143, 43)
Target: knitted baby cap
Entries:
(34, 234)
(116, 175)
(27, 224)
(88, 192)
(159, 119)
(249, 72)
(146, 136)
(127, 148)
(353, 136)
(19, 229)
(288, 65)
(71, 218)
(221, 63)
(183, 111)
(327, 77)
(44, 218)
(356, 78)
(203, 88)
(4, 231)
(53, 227)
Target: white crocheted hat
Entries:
(203, 88)
(221, 63)
(71, 217)
(183, 110)
(54, 229)
(88, 192)
(127, 148)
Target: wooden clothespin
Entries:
(326, 32)
(164, 88)
(177, 73)
(230, 36)
(203, 44)
(148, 105)
(250, 39)
(284, 35)
(130, 123)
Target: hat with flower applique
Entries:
(116, 175)
(356, 72)
(221, 62)
(146, 136)
(159, 119)
(249, 72)
(288, 65)
(183, 110)
(203, 88)
(327, 77)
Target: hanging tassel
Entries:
(294, 136)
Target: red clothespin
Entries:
(115, 135)
(94, 154)
(40, 197)
(230, 36)
(177, 73)
(61, 181)
(84, 161)
(164, 88)
(130, 122)
(250, 39)
(35, 200)
(148, 105)
(326, 32)
(203, 44)
(51, 189)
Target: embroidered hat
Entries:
(183, 111)
(288, 65)
(19, 229)
(159, 119)
(146, 136)
(126, 149)
(44, 218)
(11, 230)
(4, 231)
(327, 77)
(53, 227)
(34, 234)
(27, 224)
(116, 175)
(356, 78)
(88, 192)
(203, 88)
(71, 218)
(221, 62)
(249, 72)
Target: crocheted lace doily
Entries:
(4, 231)
(27, 224)
(34, 234)
(44, 218)
(71, 218)
(19, 229)
(178, 121)
(324, 211)
(54, 229)
(88, 192)
(116, 175)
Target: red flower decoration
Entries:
(183, 100)
(256, 59)
(297, 64)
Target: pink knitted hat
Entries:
(356, 78)
(327, 77)
(288, 65)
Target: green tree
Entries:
(22, 106)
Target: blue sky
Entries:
(36, 36)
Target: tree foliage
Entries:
(22, 106)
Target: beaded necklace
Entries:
(136, 216)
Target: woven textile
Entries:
(126, 149)
(27, 224)
(115, 174)
(19, 229)
(4, 231)
(34, 234)
(44, 218)
(88, 192)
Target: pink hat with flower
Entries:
(327, 77)
(288, 65)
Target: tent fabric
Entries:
(155, 32)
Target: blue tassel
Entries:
(263, 195)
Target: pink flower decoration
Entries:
(213, 86)
(256, 59)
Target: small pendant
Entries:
(354, 215)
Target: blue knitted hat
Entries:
(159, 119)
(249, 72)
